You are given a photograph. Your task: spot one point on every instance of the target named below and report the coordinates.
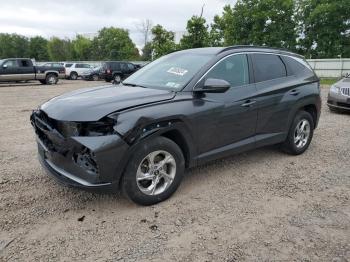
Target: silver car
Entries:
(339, 95)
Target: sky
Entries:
(66, 18)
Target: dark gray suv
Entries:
(177, 112)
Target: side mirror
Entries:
(4, 66)
(214, 85)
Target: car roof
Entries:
(239, 48)
(21, 58)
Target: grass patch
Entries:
(328, 81)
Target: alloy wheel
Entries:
(156, 172)
(302, 133)
(52, 80)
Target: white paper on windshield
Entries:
(172, 84)
(177, 71)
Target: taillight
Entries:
(108, 71)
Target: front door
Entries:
(230, 124)
(9, 70)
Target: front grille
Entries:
(345, 91)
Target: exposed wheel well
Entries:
(179, 139)
(52, 73)
(311, 109)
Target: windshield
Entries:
(171, 72)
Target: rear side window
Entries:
(295, 65)
(233, 69)
(68, 65)
(82, 66)
(131, 67)
(268, 67)
(115, 66)
(124, 67)
(25, 63)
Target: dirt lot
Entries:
(260, 205)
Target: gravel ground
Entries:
(260, 205)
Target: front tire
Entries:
(154, 171)
(300, 134)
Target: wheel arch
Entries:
(312, 110)
(51, 73)
(310, 105)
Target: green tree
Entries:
(216, 34)
(197, 33)
(13, 45)
(324, 28)
(59, 49)
(147, 52)
(81, 48)
(38, 48)
(163, 41)
(259, 22)
(113, 44)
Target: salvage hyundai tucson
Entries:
(179, 111)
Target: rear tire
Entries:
(73, 76)
(95, 78)
(300, 134)
(154, 171)
(51, 79)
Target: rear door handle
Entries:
(294, 92)
(248, 103)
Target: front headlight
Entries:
(99, 128)
(335, 89)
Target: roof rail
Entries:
(253, 46)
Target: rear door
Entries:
(26, 69)
(275, 95)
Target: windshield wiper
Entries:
(130, 84)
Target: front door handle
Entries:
(248, 103)
(294, 92)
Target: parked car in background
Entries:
(339, 95)
(179, 111)
(22, 69)
(76, 70)
(92, 74)
(117, 70)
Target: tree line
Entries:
(109, 44)
(314, 28)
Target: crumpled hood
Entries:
(91, 104)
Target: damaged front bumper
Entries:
(81, 161)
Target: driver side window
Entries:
(233, 69)
(11, 63)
